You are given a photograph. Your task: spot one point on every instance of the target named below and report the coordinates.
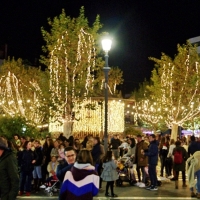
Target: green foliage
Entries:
(26, 87)
(9, 126)
(175, 84)
(132, 131)
(115, 78)
(72, 57)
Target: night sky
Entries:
(140, 28)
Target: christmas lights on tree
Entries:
(175, 87)
(18, 99)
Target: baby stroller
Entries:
(125, 173)
(54, 187)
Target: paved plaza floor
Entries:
(166, 191)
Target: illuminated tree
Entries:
(72, 61)
(150, 113)
(175, 87)
(22, 91)
(115, 78)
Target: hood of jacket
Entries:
(80, 171)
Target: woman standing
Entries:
(109, 173)
(82, 182)
(26, 160)
(180, 156)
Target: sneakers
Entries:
(48, 188)
(142, 185)
(149, 187)
(137, 184)
(153, 188)
(43, 186)
(114, 195)
(107, 195)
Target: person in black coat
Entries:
(152, 154)
(9, 179)
(37, 172)
(26, 160)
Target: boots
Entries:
(176, 184)
(198, 196)
(38, 184)
(35, 181)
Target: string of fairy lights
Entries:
(175, 105)
(72, 71)
(91, 119)
(20, 99)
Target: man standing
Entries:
(115, 143)
(70, 158)
(141, 160)
(152, 154)
(9, 179)
(37, 172)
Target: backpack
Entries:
(178, 157)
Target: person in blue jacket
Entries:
(70, 158)
(152, 154)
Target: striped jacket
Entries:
(82, 182)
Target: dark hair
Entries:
(107, 157)
(178, 143)
(25, 144)
(61, 144)
(139, 136)
(70, 148)
(84, 156)
(17, 135)
(98, 140)
(153, 136)
(132, 142)
(24, 138)
(37, 141)
(192, 138)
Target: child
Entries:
(109, 173)
(51, 168)
(61, 153)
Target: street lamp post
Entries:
(106, 44)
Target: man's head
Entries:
(16, 136)
(70, 155)
(139, 138)
(37, 143)
(152, 137)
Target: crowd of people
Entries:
(32, 164)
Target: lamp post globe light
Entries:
(106, 45)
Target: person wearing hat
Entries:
(9, 181)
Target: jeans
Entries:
(152, 175)
(115, 153)
(143, 173)
(37, 172)
(25, 181)
(197, 174)
(163, 164)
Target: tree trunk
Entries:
(67, 128)
(174, 132)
